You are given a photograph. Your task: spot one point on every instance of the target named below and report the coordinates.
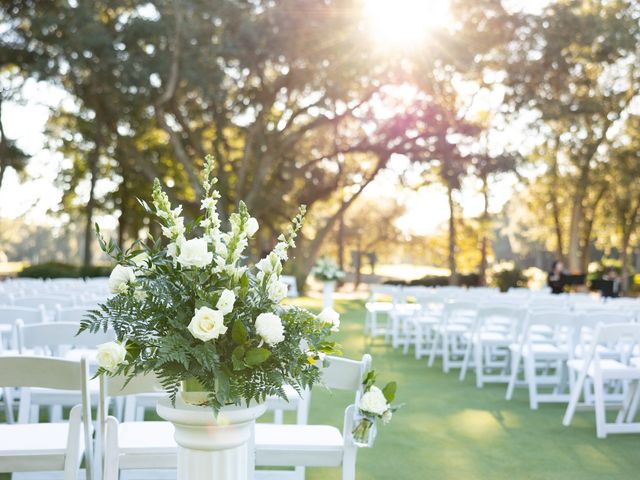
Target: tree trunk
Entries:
(484, 243)
(577, 213)
(88, 232)
(341, 242)
(624, 257)
(453, 279)
(122, 219)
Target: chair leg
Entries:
(530, 376)
(111, 461)
(601, 431)
(349, 464)
(573, 402)
(479, 365)
(635, 403)
(465, 361)
(445, 352)
(515, 365)
(432, 355)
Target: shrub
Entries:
(63, 270)
(508, 278)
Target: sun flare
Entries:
(404, 22)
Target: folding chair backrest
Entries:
(460, 309)
(49, 302)
(593, 319)
(9, 315)
(617, 332)
(550, 317)
(73, 314)
(346, 374)
(58, 334)
(42, 372)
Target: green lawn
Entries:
(450, 430)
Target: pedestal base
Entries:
(327, 294)
(209, 447)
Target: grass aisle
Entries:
(450, 430)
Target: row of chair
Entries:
(536, 340)
(150, 445)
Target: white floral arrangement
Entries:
(326, 270)
(374, 404)
(189, 308)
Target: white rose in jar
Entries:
(373, 401)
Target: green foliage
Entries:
(165, 287)
(63, 270)
(509, 278)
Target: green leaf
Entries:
(237, 357)
(389, 391)
(256, 356)
(238, 332)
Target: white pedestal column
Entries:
(211, 448)
(327, 294)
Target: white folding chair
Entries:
(495, 329)
(377, 309)
(600, 371)
(546, 344)
(48, 302)
(292, 284)
(8, 318)
(56, 339)
(315, 445)
(451, 334)
(49, 446)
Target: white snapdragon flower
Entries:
(195, 253)
(269, 326)
(373, 401)
(110, 356)
(251, 226)
(207, 324)
(209, 203)
(281, 251)
(277, 290)
(120, 278)
(172, 248)
(264, 265)
(329, 316)
(226, 301)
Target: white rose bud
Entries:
(374, 402)
(120, 278)
(252, 226)
(195, 253)
(387, 416)
(226, 301)
(329, 316)
(270, 328)
(110, 355)
(207, 324)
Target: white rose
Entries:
(195, 253)
(140, 260)
(110, 355)
(329, 316)
(252, 226)
(120, 278)
(387, 416)
(226, 301)
(207, 324)
(270, 328)
(277, 290)
(374, 402)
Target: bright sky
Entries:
(397, 21)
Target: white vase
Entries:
(327, 294)
(210, 447)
